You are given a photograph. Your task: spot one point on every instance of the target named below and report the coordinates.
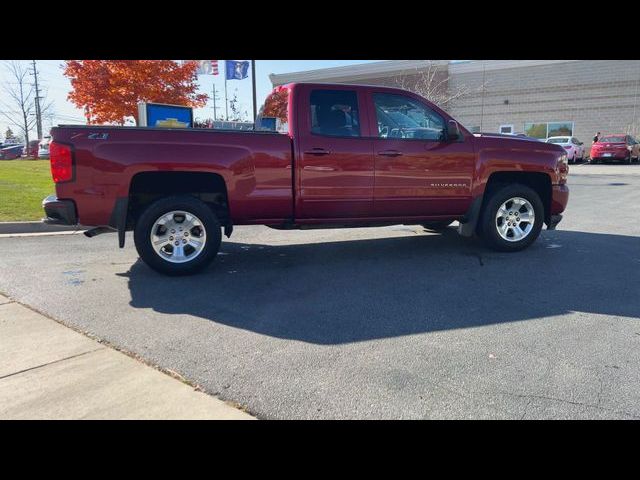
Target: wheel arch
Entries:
(149, 186)
(538, 181)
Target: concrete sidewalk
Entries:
(48, 371)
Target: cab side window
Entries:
(335, 113)
(399, 116)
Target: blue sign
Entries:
(268, 123)
(168, 116)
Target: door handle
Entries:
(390, 153)
(317, 151)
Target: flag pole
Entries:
(253, 80)
(214, 102)
(226, 102)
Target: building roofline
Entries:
(389, 68)
(385, 68)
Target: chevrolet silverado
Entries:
(341, 156)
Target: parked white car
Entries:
(574, 147)
(43, 148)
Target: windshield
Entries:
(558, 140)
(612, 139)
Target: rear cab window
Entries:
(335, 113)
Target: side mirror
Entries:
(453, 131)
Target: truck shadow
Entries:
(333, 293)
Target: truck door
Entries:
(334, 155)
(418, 172)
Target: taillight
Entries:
(562, 169)
(61, 162)
(568, 147)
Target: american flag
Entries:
(207, 67)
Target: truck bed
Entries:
(253, 165)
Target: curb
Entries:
(35, 227)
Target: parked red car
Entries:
(616, 147)
(344, 156)
(33, 148)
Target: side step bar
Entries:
(98, 231)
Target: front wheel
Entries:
(512, 218)
(178, 235)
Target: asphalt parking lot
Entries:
(387, 322)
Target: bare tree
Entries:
(236, 114)
(433, 84)
(20, 108)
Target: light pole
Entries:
(253, 80)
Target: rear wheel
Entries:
(438, 226)
(512, 218)
(178, 235)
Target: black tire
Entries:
(437, 226)
(488, 224)
(163, 206)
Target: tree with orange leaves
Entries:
(109, 90)
(276, 104)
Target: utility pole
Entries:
(38, 113)
(215, 109)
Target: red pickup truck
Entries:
(342, 156)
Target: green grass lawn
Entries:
(23, 185)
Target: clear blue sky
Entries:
(56, 87)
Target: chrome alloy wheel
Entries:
(178, 236)
(515, 219)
